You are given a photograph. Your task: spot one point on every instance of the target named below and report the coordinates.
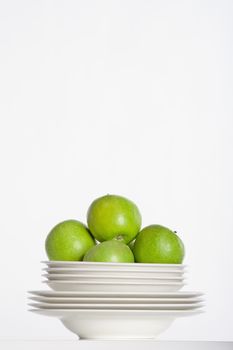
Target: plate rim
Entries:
(61, 270)
(106, 311)
(99, 263)
(157, 301)
(110, 276)
(187, 294)
(113, 283)
(115, 305)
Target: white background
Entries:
(124, 97)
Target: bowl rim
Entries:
(118, 311)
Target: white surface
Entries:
(127, 97)
(117, 324)
(114, 345)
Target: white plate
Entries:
(117, 306)
(117, 272)
(117, 324)
(107, 265)
(122, 300)
(114, 294)
(114, 287)
(110, 278)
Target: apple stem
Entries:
(119, 238)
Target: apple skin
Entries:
(110, 251)
(131, 244)
(113, 216)
(158, 244)
(68, 241)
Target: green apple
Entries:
(158, 244)
(113, 217)
(131, 244)
(68, 240)
(110, 251)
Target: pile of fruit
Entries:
(113, 234)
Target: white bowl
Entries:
(116, 324)
(120, 266)
(116, 272)
(113, 287)
(111, 278)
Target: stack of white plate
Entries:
(115, 300)
(106, 277)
